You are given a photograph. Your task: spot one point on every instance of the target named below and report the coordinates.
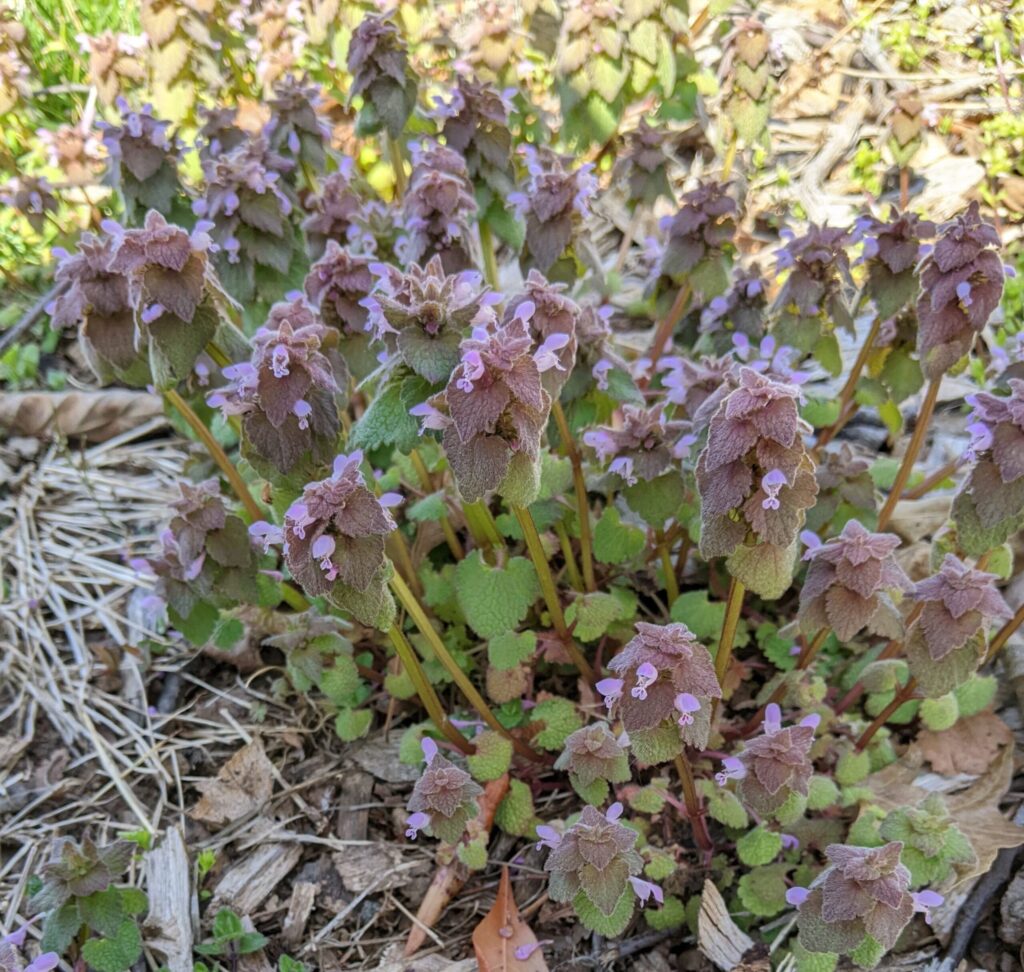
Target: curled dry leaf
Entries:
(244, 783)
(96, 416)
(969, 746)
(503, 933)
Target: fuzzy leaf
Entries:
(764, 569)
(759, 846)
(593, 614)
(511, 649)
(559, 718)
(763, 890)
(494, 600)
(117, 953)
(493, 756)
(616, 542)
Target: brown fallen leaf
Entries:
(96, 416)
(449, 878)
(244, 783)
(969, 746)
(502, 932)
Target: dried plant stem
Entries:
(489, 255)
(425, 691)
(904, 188)
(694, 804)
(397, 157)
(730, 157)
(1004, 633)
(924, 418)
(571, 568)
(419, 616)
(668, 325)
(217, 454)
(930, 482)
(667, 568)
(733, 607)
(580, 488)
(846, 395)
(905, 694)
(548, 589)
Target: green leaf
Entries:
(656, 501)
(819, 412)
(430, 508)
(515, 814)
(723, 805)
(199, 626)
(352, 724)
(699, 614)
(60, 928)
(759, 846)
(103, 911)
(593, 614)
(340, 682)
(492, 758)
(227, 926)
(889, 413)
(764, 569)
(116, 953)
(606, 76)
(672, 914)
(494, 600)
(387, 420)
(511, 649)
(559, 719)
(763, 890)
(616, 542)
(227, 634)
(611, 926)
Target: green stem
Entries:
(217, 454)
(694, 804)
(733, 607)
(397, 156)
(846, 395)
(490, 257)
(904, 695)
(425, 691)
(294, 598)
(459, 677)
(667, 568)
(570, 558)
(1004, 633)
(580, 489)
(548, 589)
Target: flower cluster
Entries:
(443, 799)
(333, 538)
(297, 131)
(946, 644)
(643, 164)
(740, 310)
(97, 301)
(697, 386)
(553, 203)
(811, 299)
(593, 758)
(597, 360)
(961, 284)
(663, 679)
(286, 392)
(496, 412)
(645, 445)
(851, 583)
(989, 507)
(774, 766)
(756, 479)
(219, 133)
(335, 213)
(862, 900)
(249, 201)
(700, 239)
(422, 314)
(379, 65)
(32, 196)
(475, 124)
(173, 291)
(594, 863)
(205, 554)
(437, 207)
(892, 249)
(143, 160)
(552, 318)
(843, 477)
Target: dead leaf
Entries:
(449, 878)
(502, 932)
(244, 783)
(96, 416)
(718, 936)
(969, 746)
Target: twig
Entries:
(30, 316)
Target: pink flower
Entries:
(686, 704)
(646, 890)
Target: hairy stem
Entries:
(571, 567)
(419, 616)
(427, 482)
(733, 607)
(846, 395)
(668, 325)
(810, 652)
(425, 691)
(397, 157)
(667, 568)
(905, 694)
(489, 254)
(694, 804)
(549, 591)
(217, 454)
(1004, 633)
(930, 482)
(910, 457)
(580, 489)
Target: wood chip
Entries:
(299, 908)
(251, 881)
(371, 865)
(169, 924)
(356, 792)
(243, 785)
(718, 936)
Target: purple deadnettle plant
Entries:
(335, 212)
(333, 538)
(593, 758)
(662, 685)
(961, 284)
(742, 309)
(443, 800)
(947, 642)
(892, 251)
(645, 446)
(379, 65)
(989, 507)
(851, 584)
(756, 480)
